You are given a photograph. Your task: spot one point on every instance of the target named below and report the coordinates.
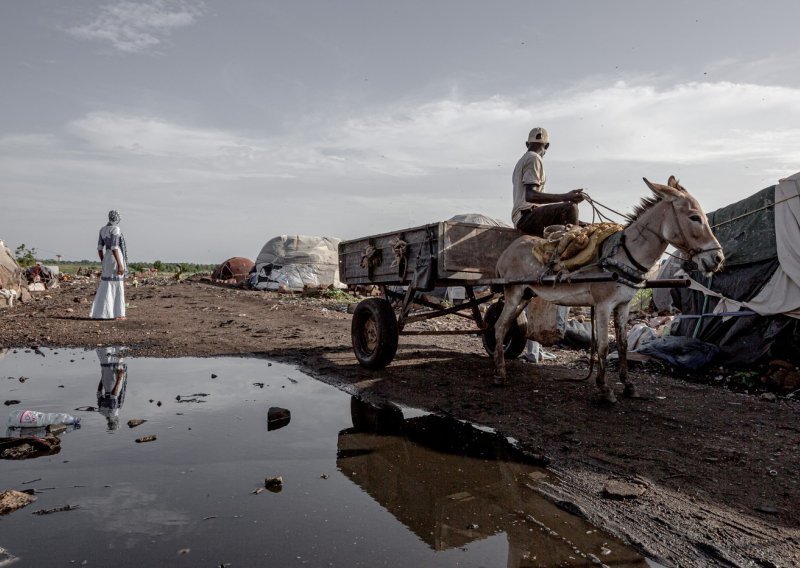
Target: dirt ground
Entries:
(719, 470)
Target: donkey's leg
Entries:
(602, 314)
(620, 329)
(514, 303)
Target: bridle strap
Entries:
(630, 255)
(689, 252)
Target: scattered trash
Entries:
(35, 419)
(682, 352)
(213, 376)
(768, 509)
(535, 353)
(257, 490)
(277, 418)
(134, 422)
(274, 484)
(145, 439)
(56, 510)
(324, 476)
(615, 489)
(473, 527)
(184, 551)
(6, 558)
(56, 429)
(259, 385)
(10, 402)
(12, 500)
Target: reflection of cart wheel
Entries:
(515, 339)
(374, 333)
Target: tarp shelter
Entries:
(296, 261)
(237, 268)
(479, 219)
(760, 236)
(13, 284)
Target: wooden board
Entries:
(466, 253)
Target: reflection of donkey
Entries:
(671, 217)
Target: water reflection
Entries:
(452, 484)
(112, 385)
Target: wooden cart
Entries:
(406, 264)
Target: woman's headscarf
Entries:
(113, 219)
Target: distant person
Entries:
(533, 208)
(109, 302)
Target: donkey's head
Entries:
(686, 227)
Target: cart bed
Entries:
(466, 253)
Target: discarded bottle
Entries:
(36, 419)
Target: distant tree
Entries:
(158, 265)
(25, 256)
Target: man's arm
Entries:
(540, 197)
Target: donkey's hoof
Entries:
(631, 392)
(608, 397)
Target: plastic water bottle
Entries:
(36, 419)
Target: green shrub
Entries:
(25, 256)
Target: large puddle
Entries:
(362, 486)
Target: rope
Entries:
(767, 206)
(595, 205)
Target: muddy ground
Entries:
(719, 470)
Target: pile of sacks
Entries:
(567, 247)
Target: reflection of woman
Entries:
(113, 381)
(109, 302)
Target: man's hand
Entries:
(575, 196)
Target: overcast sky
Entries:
(213, 126)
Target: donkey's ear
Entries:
(673, 182)
(663, 191)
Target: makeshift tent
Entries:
(13, 284)
(297, 261)
(479, 219)
(237, 268)
(760, 282)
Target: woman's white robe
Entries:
(109, 302)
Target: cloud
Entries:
(687, 124)
(692, 122)
(133, 27)
(376, 169)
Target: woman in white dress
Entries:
(109, 302)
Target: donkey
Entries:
(670, 216)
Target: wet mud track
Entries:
(712, 477)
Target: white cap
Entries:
(539, 134)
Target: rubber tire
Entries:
(515, 339)
(374, 333)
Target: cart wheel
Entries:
(515, 339)
(374, 333)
